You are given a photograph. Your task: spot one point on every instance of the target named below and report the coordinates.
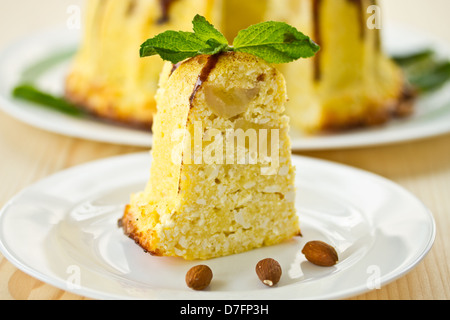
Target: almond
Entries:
(199, 277)
(320, 254)
(269, 272)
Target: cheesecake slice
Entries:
(221, 179)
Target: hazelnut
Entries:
(269, 272)
(199, 277)
(320, 254)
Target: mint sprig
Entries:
(424, 70)
(30, 93)
(275, 42)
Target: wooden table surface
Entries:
(423, 167)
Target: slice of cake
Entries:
(221, 178)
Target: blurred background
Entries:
(20, 17)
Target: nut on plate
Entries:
(199, 277)
(320, 254)
(269, 272)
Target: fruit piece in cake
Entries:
(221, 179)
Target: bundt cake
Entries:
(351, 82)
(214, 192)
(108, 78)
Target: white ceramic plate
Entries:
(63, 231)
(431, 119)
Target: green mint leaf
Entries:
(215, 48)
(206, 31)
(424, 70)
(275, 42)
(432, 79)
(32, 94)
(413, 58)
(174, 46)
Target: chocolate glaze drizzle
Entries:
(175, 67)
(317, 5)
(202, 78)
(204, 75)
(131, 7)
(165, 10)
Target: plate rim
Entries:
(102, 295)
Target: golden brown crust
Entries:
(402, 107)
(131, 231)
(108, 114)
(405, 105)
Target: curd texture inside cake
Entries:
(211, 192)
